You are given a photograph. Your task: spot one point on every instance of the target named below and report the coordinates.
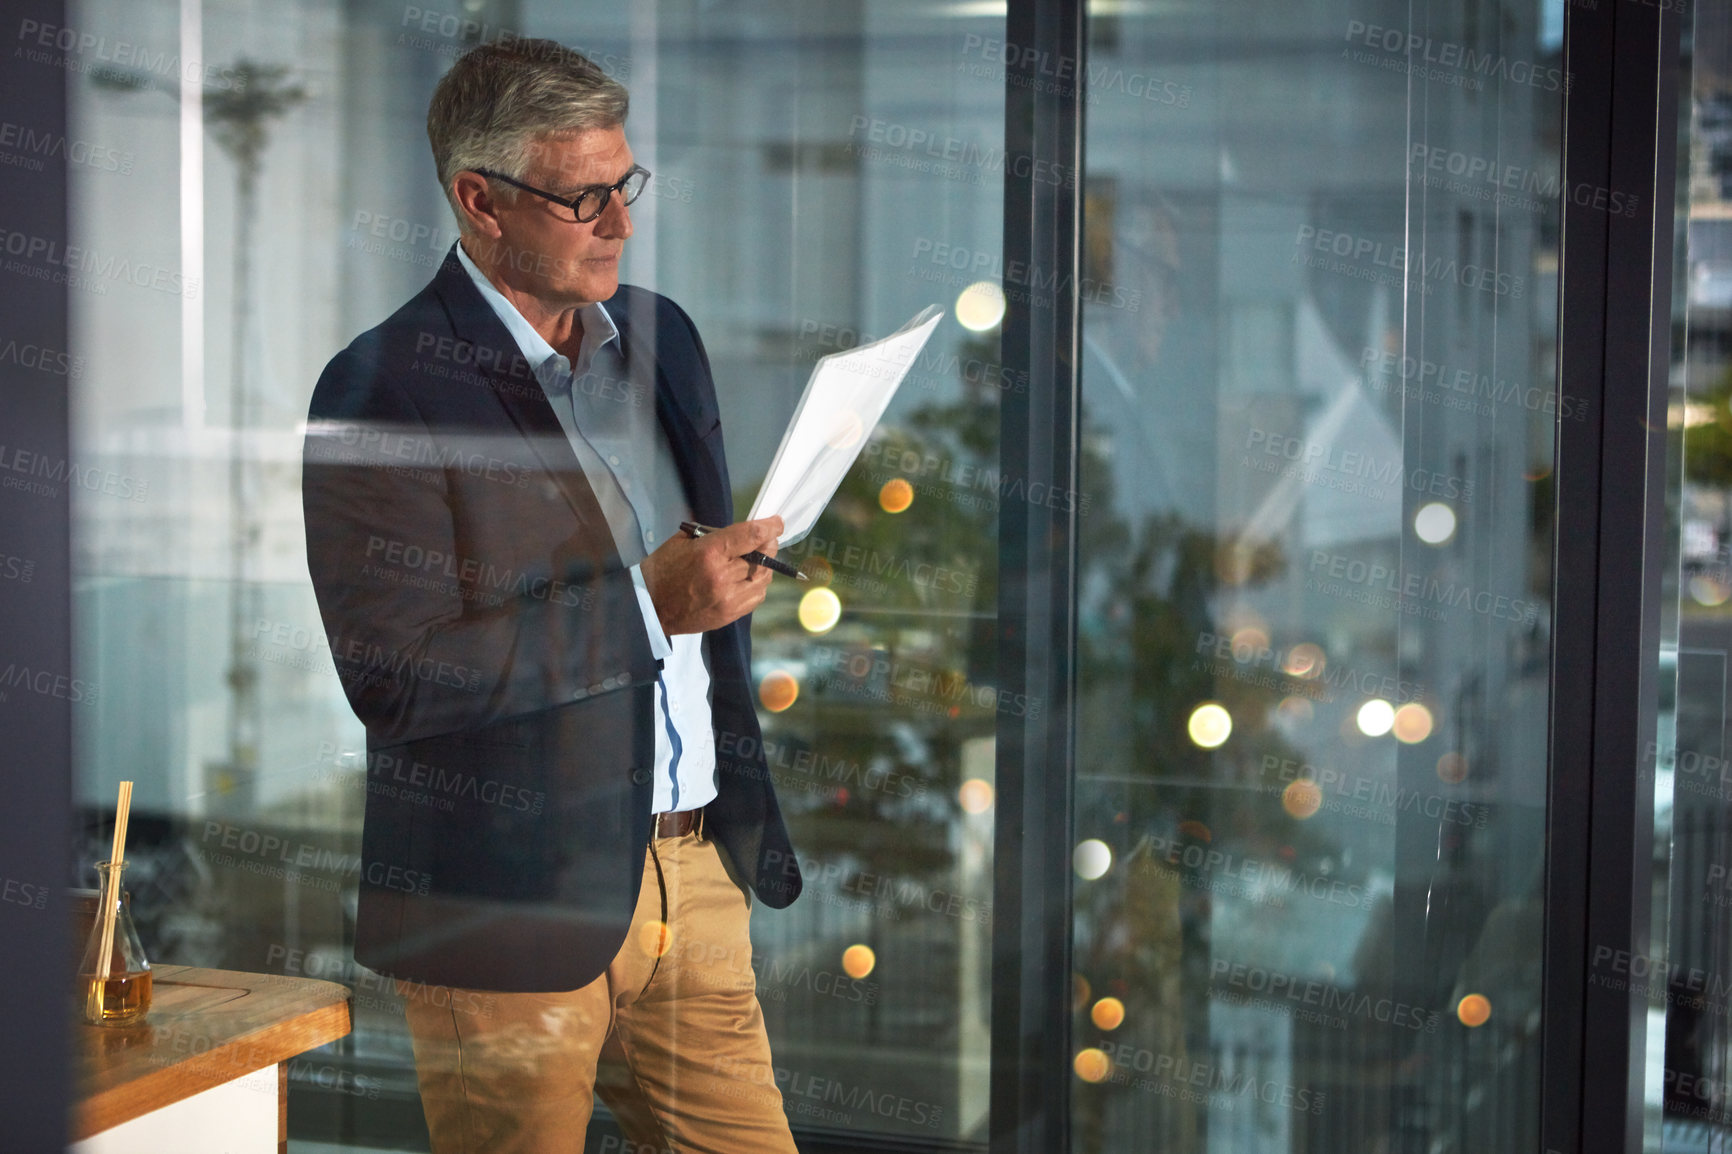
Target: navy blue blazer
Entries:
(488, 635)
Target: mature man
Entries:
(547, 668)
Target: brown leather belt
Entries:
(680, 822)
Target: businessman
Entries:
(558, 861)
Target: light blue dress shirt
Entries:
(611, 423)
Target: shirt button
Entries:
(649, 536)
(613, 459)
(640, 777)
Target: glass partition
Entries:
(822, 172)
(1318, 407)
(1687, 973)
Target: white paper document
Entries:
(844, 398)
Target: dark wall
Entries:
(36, 692)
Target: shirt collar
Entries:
(548, 364)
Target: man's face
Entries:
(541, 251)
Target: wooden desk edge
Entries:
(235, 1058)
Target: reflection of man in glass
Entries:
(558, 866)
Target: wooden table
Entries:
(210, 1035)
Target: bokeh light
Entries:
(1412, 723)
(1191, 827)
(896, 495)
(778, 690)
(1210, 725)
(820, 609)
(1707, 591)
(1434, 523)
(1248, 642)
(1302, 798)
(1452, 767)
(817, 570)
(1304, 660)
(858, 961)
(1473, 1010)
(975, 795)
(655, 938)
(1108, 1014)
(980, 306)
(1092, 1065)
(1296, 710)
(1375, 718)
(847, 429)
(1091, 859)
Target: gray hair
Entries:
(499, 100)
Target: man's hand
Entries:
(699, 584)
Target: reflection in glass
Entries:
(1318, 400)
(1689, 1076)
(821, 172)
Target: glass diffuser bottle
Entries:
(118, 994)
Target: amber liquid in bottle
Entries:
(124, 996)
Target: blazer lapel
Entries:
(679, 406)
(475, 324)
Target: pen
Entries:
(774, 565)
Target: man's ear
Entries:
(476, 204)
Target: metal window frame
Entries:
(1620, 133)
(1037, 565)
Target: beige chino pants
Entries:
(671, 1036)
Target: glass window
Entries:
(255, 190)
(1318, 407)
(1686, 972)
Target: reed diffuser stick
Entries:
(110, 902)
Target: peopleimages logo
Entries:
(1444, 61)
(1623, 971)
(85, 50)
(1043, 71)
(25, 147)
(1349, 470)
(1361, 257)
(1203, 1082)
(1414, 594)
(1261, 882)
(1222, 647)
(953, 264)
(955, 156)
(1452, 386)
(44, 258)
(1355, 796)
(1511, 184)
(1242, 984)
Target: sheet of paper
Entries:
(844, 398)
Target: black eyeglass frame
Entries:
(604, 191)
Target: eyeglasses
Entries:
(592, 201)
